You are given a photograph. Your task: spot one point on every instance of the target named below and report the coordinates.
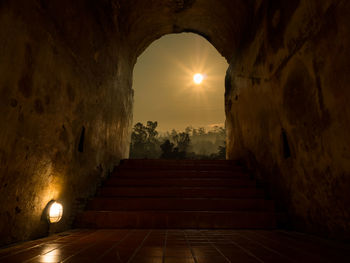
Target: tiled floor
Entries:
(177, 246)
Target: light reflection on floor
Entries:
(50, 257)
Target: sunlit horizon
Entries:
(209, 127)
(179, 82)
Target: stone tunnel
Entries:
(66, 98)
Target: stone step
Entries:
(184, 182)
(156, 162)
(179, 173)
(177, 219)
(179, 165)
(181, 192)
(184, 204)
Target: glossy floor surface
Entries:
(180, 246)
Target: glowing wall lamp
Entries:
(54, 212)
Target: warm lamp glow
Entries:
(198, 78)
(55, 212)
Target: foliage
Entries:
(182, 140)
(190, 144)
(144, 141)
(169, 152)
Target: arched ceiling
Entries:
(221, 22)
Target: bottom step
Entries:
(176, 219)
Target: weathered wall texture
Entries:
(288, 114)
(62, 72)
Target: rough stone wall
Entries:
(287, 107)
(222, 24)
(66, 107)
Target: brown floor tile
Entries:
(180, 246)
(142, 259)
(179, 260)
(148, 251)
(209, 259)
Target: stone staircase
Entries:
(179, 194)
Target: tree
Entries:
(201, 131)
(167, 149)
(173, 134)
(194, 132)
(183, 141)
(144, 141)
(222, 152)
(189, 130)
(139, 134)
(151, 131)
(192, 143)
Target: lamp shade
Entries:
(54, 212)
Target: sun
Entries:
(198, 78)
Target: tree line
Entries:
(192, 143)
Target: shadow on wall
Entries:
(287, 113)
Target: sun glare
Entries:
(198, 78)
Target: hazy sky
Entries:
(164, 86)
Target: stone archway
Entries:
(165, 91)
(223, 25)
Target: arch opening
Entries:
(178, 84)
